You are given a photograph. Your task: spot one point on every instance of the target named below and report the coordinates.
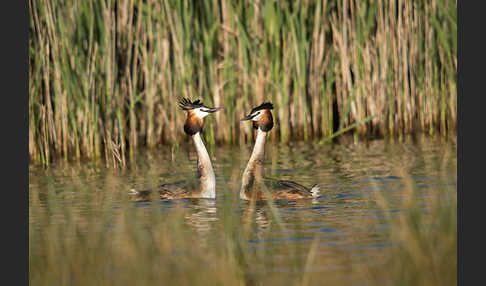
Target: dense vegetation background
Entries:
(105, 76)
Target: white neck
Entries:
(254, 168)
(206, 174)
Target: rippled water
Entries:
(347, 215)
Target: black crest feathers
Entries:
(266, 105)
(186, 104)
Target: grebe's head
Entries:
(196, 112)
(261, 116)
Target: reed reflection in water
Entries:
(386, 214)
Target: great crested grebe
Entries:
(253, 181)
(196, 112)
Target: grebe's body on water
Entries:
(254, 184)
(196, 112)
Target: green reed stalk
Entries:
(105, 76)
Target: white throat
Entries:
(205, 169)
(199, 113)
(254, 168)
(258, 153)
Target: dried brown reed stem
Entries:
(105, 71)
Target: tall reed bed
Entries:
(105, 76)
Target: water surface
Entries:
(77, 208)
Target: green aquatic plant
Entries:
(104, 75)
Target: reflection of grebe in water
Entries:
(196, 112)
(253, 181)
(256, 216)
(202, 216)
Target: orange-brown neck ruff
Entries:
(266, 121)
(193, 123)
